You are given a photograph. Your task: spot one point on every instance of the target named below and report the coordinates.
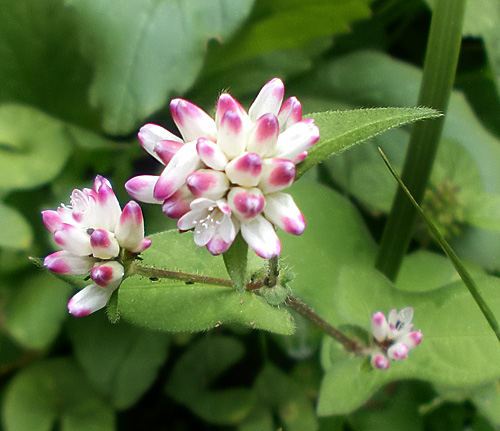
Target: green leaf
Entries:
(177, 306)
(280, 25)
(35, 310)
(341, 130)
(33, 147)
(120, 360)
(56, 392)
(235, 260)
(40, 64)
(458, 349)
(157, 45)
(335, 236)
(15, 231)
(197, 370)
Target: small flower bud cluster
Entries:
(393, 336)
(228, 175)
(94, 233)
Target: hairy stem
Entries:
(337, 335)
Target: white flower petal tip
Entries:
(74, 239)
(246, 204)
(63, 262)
(178, 204)
(245, 170)
(207, 183)
(379, 361)
(217, 246)
(107, 274)
(88, 300)
(392, 335)
(150, 134)
(192, 121)
(130, 229)
(141, 188)
(52, 220)
(211, 154)
(225, 103)
(269, 99)
(231, 136)
(297, 139)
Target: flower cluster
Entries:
(393, 336)
(228, 175)
(95, 235)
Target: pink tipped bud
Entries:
(297, 139)
(178, 204)
(246, 204)
(207, 183)
(379, 326)
(192, 121)
(282, 211)
(166, 150)
(225, 103)
(52, 220)
(150, 134)
(211, 154)
(264, 136)
(141, 188)
(104, 244)
(290, 113)
(130, 229)
(245, 170)
(398, 351)
(379, 361)
(277, 175)
(232, 137)
(64, 262)
(107, 274)
(269, 99)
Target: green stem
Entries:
(439, 72)
(310, 314)
(272, 272)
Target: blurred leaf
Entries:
(343, 129)
(195, 372)
(467, 359)
(487, 400)
(15, 231)
(176, 306)
(285, 24)
(50, 392)
(277, 391)
(157, 45)
(35, 310)
(39, 61)
(120, 360)
(485, 212)
(335, 236)
(33, 147)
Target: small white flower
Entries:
(246, 160)
(393, 336)
(92, 232)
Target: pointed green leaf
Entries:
(235, 260)
(120, 360)
(198, 368)
(177, 306)
(341, 130)
(158, 47)
(55, 391)
(458, 349)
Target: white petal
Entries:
(64, 262)
(89, 299)
(150, 134)
(261, 237)
(108, 209)
(297, 139)
(130, 229)
(268, 100)
(141, 188)
(282, 211)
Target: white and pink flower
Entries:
(94, 234)
(235, 167)
(394, 337)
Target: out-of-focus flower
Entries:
(238, 161)
(95, 236)
(394, 337)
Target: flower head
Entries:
(393, 336)
(239, 161)
(94, 234)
